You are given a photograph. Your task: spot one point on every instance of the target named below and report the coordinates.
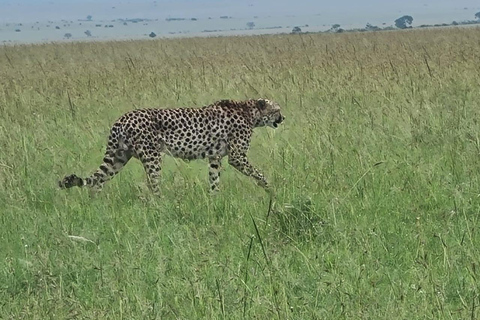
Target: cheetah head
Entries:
(269, 113)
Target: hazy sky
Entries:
(341, 11)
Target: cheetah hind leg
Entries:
(214, 174)
(152, 161)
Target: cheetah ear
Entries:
(261, 104)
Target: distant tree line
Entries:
(404, 22)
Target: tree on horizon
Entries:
(296, 30)
(404, 22)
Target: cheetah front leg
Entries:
(240, 162)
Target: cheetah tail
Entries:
(71, 181)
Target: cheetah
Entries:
(221, 129)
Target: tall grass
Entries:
(375, 171)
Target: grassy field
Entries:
(375, 170)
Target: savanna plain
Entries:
(375, 173)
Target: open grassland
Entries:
(376, 174)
